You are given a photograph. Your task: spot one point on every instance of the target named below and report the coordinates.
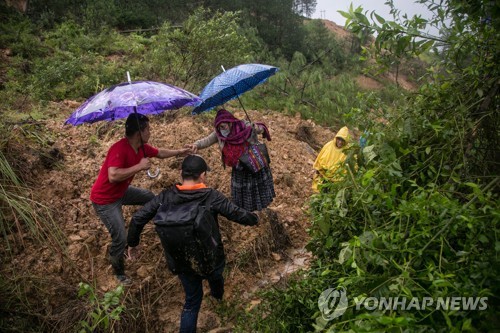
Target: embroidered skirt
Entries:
(252, 191)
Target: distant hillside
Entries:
(404, 76)
(338, 30)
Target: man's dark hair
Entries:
(135, 122)
(193, 166)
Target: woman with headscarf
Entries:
(252, 191)
(330, 158)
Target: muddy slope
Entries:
(256, 256)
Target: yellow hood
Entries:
(343, 133)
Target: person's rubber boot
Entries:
(118, 264)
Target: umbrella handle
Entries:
(155, 174)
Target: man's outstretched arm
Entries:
(232, 212)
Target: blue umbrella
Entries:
(232, 83)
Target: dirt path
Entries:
(256, 257)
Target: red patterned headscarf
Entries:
(239, 130)
(236, 142)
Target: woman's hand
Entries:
(192, 147)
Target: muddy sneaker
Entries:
(125, 280)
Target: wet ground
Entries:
(257, 257)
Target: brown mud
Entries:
(257, 257)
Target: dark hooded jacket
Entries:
(219, 205)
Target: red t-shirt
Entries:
(120, 155)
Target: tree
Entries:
(321, 47)
(466, 49)
(304, 7)
(418, 216)
(277, 24)
(193, 54)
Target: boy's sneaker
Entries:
(124, 280)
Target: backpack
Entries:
(189, 235)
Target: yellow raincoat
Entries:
(329, 159)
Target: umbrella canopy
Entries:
(232, 83)
(118, 101)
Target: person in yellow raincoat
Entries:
(330, 158)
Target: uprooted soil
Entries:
(256, 256)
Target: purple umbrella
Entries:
(118, 101)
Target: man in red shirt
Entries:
(112, 188)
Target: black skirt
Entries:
(252, 191)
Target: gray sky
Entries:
(327, 9)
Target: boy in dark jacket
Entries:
(191, 192)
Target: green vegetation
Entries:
(192, 55)
(19, 211)
(103, 311)
(417, 214)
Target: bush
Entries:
(191, 56)
(418, 217)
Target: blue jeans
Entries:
(193, 287)
(112, 217)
